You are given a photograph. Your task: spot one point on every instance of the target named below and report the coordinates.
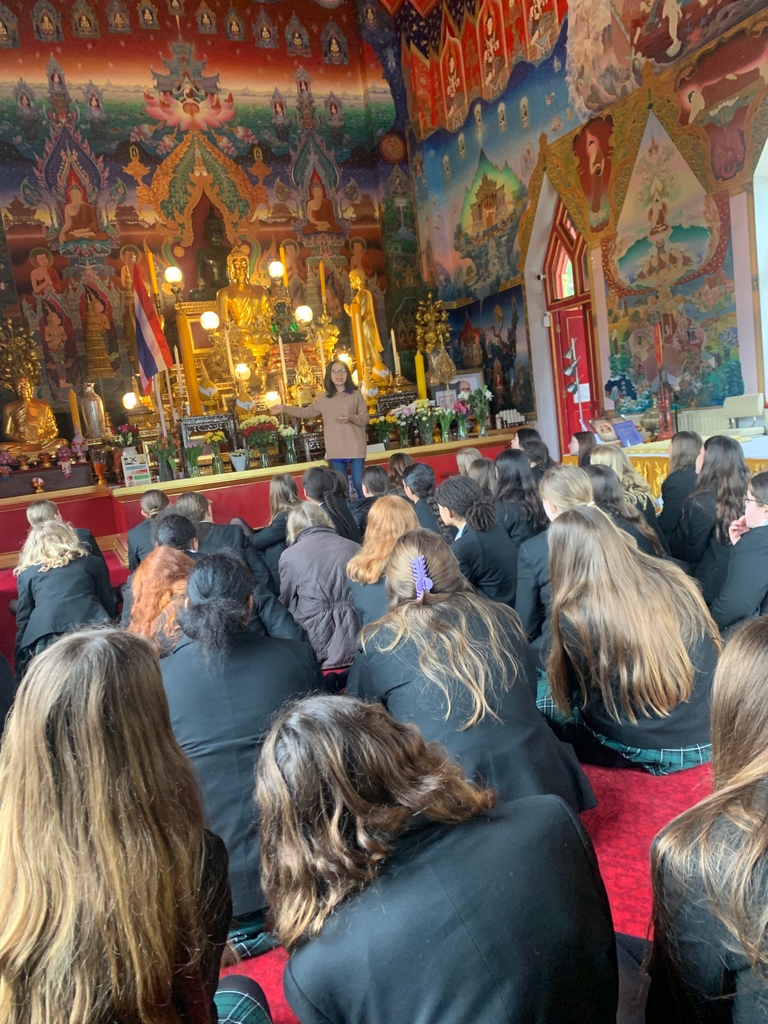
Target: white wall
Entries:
(541, 352)
(742, 277)
(603, 338)
(761, 238)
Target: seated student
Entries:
(482, 547)
(710, 865)
(523, 434)
(270, 541)
(745, 591)
(518, 503)
(419, 487)
(609, 497)
(43, 511)
(637, 490)
(582, 444)
(633, 648)
(389, 519)
(325, 487)
(398, 463)
(483, 472)
(686, 453)
(168, 531)
(702, 537)
(212, 537)
(61, 586)
(561, 488)
(223, 685)
(314, 587)
(375, 483)
(159, 589)
(140, 541)
(410, 896)
(458, 667)
(539, 458)
(119, 848)
(464, 459)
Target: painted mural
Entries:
(197, 130)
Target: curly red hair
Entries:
(159, 585)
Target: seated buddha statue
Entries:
(211, 260)
(29, 424)
(241, 303)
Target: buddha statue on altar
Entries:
(241, 304)
(211, 261)
(29, 425)
(362, 312)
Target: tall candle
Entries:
(160, 411)
(190, 370)
(322, 283)
(229, 353)
(77, 426)
(421, 376)
(179, 378)
(168, 386)
(395, 353)
(152, 273)
(285, 265)
(282, 365)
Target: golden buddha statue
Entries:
(369, 341)
(29, 425)
(240, 303)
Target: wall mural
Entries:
(198, 129)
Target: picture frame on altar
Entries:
(194, 429)
(444, 395)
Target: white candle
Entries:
(395, 353)
(168, 386)
(160, 412)
(282, 364)
(229, 353)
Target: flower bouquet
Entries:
(383, 427)
(260, 432)
(478, 401)
(193, 453)
(239, 459)
(403, 419)
(445, 418)
(126, 436)
(288, 437)
(214, 439)
(165, 451)
(6, 461)
(425, 417)
(461, 411)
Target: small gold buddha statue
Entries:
(304, 385)
(29, 424)
(240, 303)
(369, 341)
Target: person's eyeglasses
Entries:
(747, 500)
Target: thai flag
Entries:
(152, 348)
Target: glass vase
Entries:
(445, 432)
(482, 423)
(402, 435)
(461, 428)
(193, 471)
(264, 457)
(217, 463)
(290, 450)
(164, 471)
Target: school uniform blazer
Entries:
(501, 918)
(745, 592)
(516, 753)
(643, 543)
(62, 599)
(509, 515)
(696, 542)
(677, 487)
(140, 543)
(534, 594)
(213, 537)
(647, 509)
(221, 709)
(489, 561)
(426, 517)
(343, 521)
(87, 539)
(700, 973)
(270, 542)
(360, 509)
(370, 600)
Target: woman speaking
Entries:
(345, 417)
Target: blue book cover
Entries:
(627, 433)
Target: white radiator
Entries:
(707, 421)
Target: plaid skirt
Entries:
(239, 1000)
(26, 654)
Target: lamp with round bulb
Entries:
(209, 320)
(129, 400)
(272, 398)
(303, 314)
(173, 275)
(276, 270)
(242, 372)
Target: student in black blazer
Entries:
(431, 904)
(464, 676)
(390, 519)
(636, 489)
(609, 498)
(518, 504)
(482, 547)
(43, 511)
(745, 591)
(60, 587)
(419, 487)
(686, 453)
(702, 536)
(223, 685)
(270, 540)
(375, 483)
(140, 539)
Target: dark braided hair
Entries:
(218, 589)
(465, 498)
(420, 478)
(327, 486)
(515, 482)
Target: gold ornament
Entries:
(18, 355)
(432, 332)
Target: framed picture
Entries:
(467, 380)
(194, 429)
(604, 430)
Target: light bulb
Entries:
(209, 321)
(272, 398)
(276, 269)
(345, 357)
(173, 275)
(242, 372)
(129, 400)
(303, 314)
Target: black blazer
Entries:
(271, 542)
(360, 509)
(426, 517)
(509, 515)
(700, 974)
(745, 592)
(695, 541)
(343, 521)
(370, 600)
(271, 618)
(643, 543)
(676, 488)
(87, 539)
(516, 753)
(647, 508)
(140, 543)
(489, 561)
(62, 599)
(534, 594)
(501, 918)
(218, 537)
(221, 710)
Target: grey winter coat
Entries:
(314, 589)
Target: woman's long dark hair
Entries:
(527, 434)
(515, 482)
(466, 499)
(587, 443)
(324, 485)
(330, 387)
(608, 495)
(420, 478)
(725, 474)
(684, 449)
(218, 589)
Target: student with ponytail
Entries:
(419, 487)
(223, 685)
(325, 487)
(486, 555)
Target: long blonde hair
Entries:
(283, 494)
(440, 624)
(388, 519)
(50, 545)
(695, 845)
(566, 487)
(617, 612)
(636, 488)
(101, 840)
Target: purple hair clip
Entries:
(422, 581)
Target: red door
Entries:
(571, 336)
